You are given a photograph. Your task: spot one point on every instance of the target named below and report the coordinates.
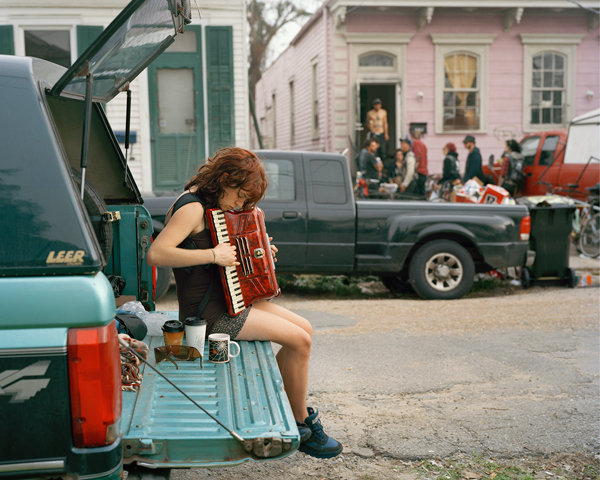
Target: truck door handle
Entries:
(290, 214)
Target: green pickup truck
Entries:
(320, 228)
(72, 217)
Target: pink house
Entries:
(494, 69)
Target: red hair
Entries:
(231, 167)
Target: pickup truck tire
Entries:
(96, 208)
(442, 270)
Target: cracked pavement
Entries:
(504, 375)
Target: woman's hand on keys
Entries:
(225, 255)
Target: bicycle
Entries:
(589, 232)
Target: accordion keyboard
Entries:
(232, 279)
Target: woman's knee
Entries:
(307, 327)
(302, 344)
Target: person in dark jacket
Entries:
(451, 169)
(512, 177)
(473, 167)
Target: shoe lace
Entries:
(317, 430)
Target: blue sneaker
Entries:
(319, 445)
(305, 431)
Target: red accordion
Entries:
(254, 279)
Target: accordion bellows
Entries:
(254, 279)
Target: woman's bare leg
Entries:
(265, 325)
(290, 316)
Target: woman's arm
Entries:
(188, 219)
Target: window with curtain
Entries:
(547, 88)
(461, 92)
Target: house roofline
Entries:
(480, 4)
(311, 21)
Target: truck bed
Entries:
(162, 428)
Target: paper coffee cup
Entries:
(173, 332)
(195, 331)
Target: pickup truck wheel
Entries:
(96, 208)
(397, 286)
(442, 270)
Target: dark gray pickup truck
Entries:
(320, 228)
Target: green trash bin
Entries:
(551, 227)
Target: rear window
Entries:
(281, 180)
(43, 229)
(327, 181)
(548, 149)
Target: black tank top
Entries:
(193, 285)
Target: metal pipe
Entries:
(127, 127)
(87, 127)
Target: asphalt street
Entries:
(505, 374)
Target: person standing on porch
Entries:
(377, 123)
(409, 169)
(368, 164)
(420, 151)
(473, 167)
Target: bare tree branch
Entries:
(262, 31)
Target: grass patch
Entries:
(340, 286)
(478, 467)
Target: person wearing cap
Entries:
(473, 167)
(451, 169)
(409, 169)
(420, 151)
(377, 124)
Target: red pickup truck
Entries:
(568, 160)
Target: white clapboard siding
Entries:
(70, 13)
(295, 63)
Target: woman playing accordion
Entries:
(234, 179)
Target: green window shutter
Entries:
(219, 64)
(7, 46)
(86, 34)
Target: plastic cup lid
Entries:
(172, 326)
(195, 321)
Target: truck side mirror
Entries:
(491, 161)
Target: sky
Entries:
(287, 33)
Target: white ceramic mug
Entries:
(219, 348)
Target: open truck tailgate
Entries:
(161, 428)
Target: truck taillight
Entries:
(525, 228)
(95, 384)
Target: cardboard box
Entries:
(462, 198)
(493, 194)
